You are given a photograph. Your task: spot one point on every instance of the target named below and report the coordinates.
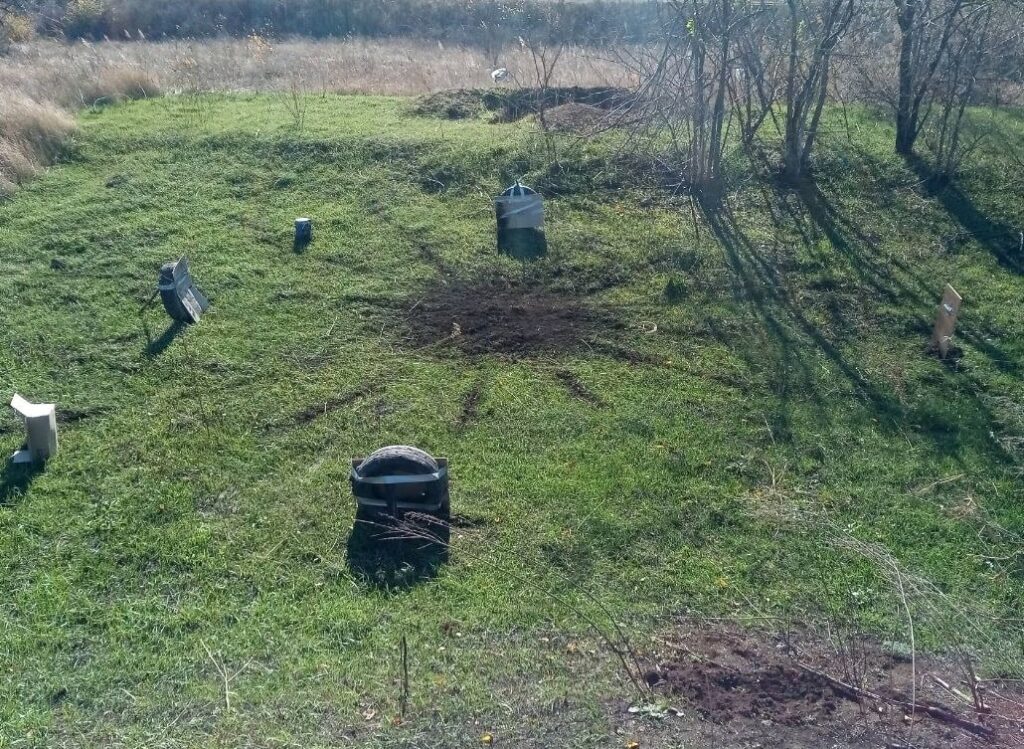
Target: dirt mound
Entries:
(509, 319)
(511, 104)
(575, 118)
(735, 681)
(458, 104)
(801, 692)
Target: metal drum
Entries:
(520, 214)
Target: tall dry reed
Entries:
(256, 64)
(32, 134)
(42, 81)
(41, 85)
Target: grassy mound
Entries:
(733, 415)
(511, 104)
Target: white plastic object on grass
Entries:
(499, 74)
(40, 430)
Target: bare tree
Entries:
(815, 28)
(971, 74)
(687, 89)
(926, 28)
(757, 81)
(545, 55)
(956, 87)
(733, 62)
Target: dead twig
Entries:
(224, 675)
(937, 712)
(404, 701)
(940, 482)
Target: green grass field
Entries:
(197, 519)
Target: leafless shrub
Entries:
(977, 649)
(545, 57)
(974, 634)
(740, 63)
(926, 28)
(968, 75)
(943, 48)
(295, 103)
(15, 28)
(814, 29)
(685, 82)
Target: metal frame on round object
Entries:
(180, 296)
(400, 479)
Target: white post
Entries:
(40, 429)
(945, 320)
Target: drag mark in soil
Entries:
(471, 406)
(575, 387)
(308, 415)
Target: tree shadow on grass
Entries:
(899, 281)
(394, 554)
(15, 481)
(787, 334)
(1000, 239)
(785, 327)
(895, 280)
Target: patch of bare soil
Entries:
(512, 320)
(738, 688)
(575, 117)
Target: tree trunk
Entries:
(906, 120)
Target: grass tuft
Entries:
(32, 134)
(113, 85)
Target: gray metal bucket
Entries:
(519, 207)
(520, 215)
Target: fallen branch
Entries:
(933, 711)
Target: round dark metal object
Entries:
(400, 478)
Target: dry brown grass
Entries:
(113, 84)
(15, 166)
(39, 92)
(32, 134)
(42, 81)
(396, 67)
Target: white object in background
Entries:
(499, 75)
(40, 430)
